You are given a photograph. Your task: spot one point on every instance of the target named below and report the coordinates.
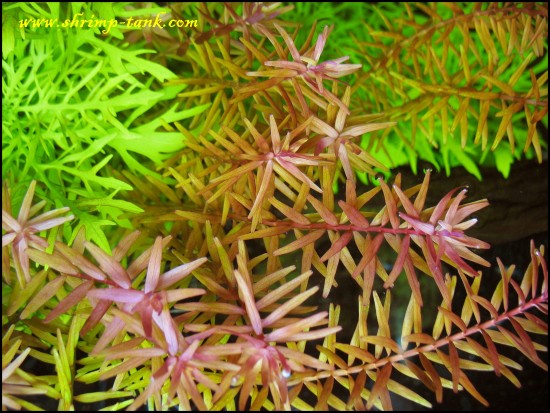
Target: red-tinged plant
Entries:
(265, 161)
(223, 280)
(304, 66)
(21, 231)
(272, 355)
(458, 343)
(174, 360)
(152, 302)
(182, 359)
(343, 140)
(255, 16)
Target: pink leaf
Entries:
(111, 331)
(117, 295)
(320, 45)
(325, 213)
(344, 159)
(183, 294)
(26, 205)
(290, 167)
(422, 227)
(153, 270)
(440, 207)
(355, 217)
(141, 262)
(79, 261)
(50, 223)
(399, 262)
(97, 314)
(338, 245)
(9, 224)
(69, 301)
(176, 274)
(250, 305)
(124, 245)
(170, 331)
(289, 42)
(370, 252)
(8, 238)
(453, 208)
(109, 265)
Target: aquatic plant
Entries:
(211, 188)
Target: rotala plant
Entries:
(184, 204)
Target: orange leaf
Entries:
(486, 304)
(325, 213)
(266, 232)
(250, 305)
(354, 216)
(264, 186)
(420, 338)
(357, 352)
(290, 213)
(454, 366)
(301, 242)
(337, 245)
(289, 305)
(371, 250)
(55, 260)
(391, 205)
(72, 299)
(406, 202)
(282, 291)
(399, 262)
(385, 342)
(432, 372)
(45, 293)
(470, 388)
(380, 385)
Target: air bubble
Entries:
(470, 184)
(234, 381)
(427, 167)
(286, 373)
(465, 186)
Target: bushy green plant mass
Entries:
(186, 185)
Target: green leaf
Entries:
(453, 148)
(118, 203)
(94, 232)
(134, 64)
(8, 35)
(504, 158)
(90, 176)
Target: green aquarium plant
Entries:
(202, 207)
